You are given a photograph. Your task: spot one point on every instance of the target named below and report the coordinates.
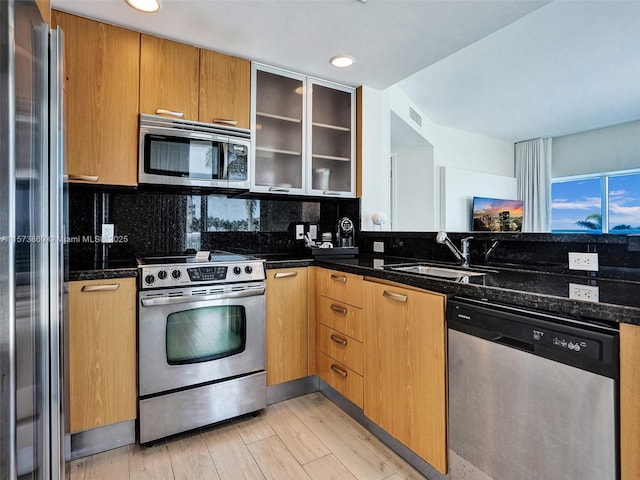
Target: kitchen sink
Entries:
(440, 272)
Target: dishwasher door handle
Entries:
(513, 342)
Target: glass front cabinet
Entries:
(304, 134)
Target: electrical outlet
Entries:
(107, 233)
(378, 247)
(583, 261)
(299, 231)
(583, 292)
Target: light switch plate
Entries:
(107, 233)
(313, 231)
(378, 247)
(299, 231)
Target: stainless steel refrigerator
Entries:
(32, 219)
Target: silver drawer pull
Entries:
(101, 288)
(285, 274)
(279, 189)
(84, 178)
(338, 309)
(339, 371)
(338, 340)
(339, 278)
(395, 296)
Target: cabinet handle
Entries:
(395, 296)
(329, 192)
(162, 111)
(278, 189)
(338, 309)
(101, 288)
(85, 178)
(285, 274)
(338, 340)
(339, 278)
(339, 371)
(226, 121)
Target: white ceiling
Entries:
(461, 62)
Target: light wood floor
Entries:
(304, 438)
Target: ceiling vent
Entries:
(415, 116)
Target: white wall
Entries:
(451, 148)
(603, 150)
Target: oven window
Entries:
(205, 333)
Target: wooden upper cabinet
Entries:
(169, 73)
(101, 100)
(225, 88)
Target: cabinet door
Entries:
(168, 77)
(279, 143)
(404, 370)
(101, 100)
(287, 331)
(225, 88)
(102, 352)
(629, 401)
(331, 139)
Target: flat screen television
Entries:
(497, 215)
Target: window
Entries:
(607, 203)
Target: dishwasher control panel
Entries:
(574, 342)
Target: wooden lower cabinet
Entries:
(102, 352)
(287, 325)
(341, 378)
(404, 367)
(629, 401)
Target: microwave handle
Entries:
(224, 161)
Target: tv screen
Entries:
(497, 215)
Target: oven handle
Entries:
(152, 302)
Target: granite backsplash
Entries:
(152, 222)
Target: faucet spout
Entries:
(462, 256)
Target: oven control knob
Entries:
(162, 274)
(149, 279)
(248, 269)
(237, 270)
(176, 274)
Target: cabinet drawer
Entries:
(341, 347)
(341, 378)
(344, 287)
(341, 317)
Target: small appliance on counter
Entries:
(344, 244)
(345, 232)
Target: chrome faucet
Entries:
(462, 256)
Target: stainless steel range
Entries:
(201, 335)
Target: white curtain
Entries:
(533, 171)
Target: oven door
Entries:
(199, 335)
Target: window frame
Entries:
(604, 194)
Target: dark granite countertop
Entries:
(619, 299)
(90, 270)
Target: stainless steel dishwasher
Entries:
(531, 395)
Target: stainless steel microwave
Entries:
(194, 154)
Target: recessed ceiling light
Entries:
(147, 6)
(342, 61)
